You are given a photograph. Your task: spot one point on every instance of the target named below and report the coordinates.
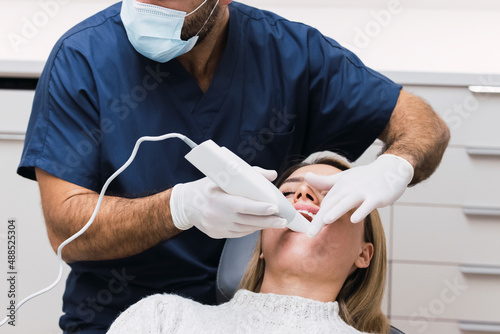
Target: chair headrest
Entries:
(233, 262)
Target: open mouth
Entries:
(308, 215)
(308, 210)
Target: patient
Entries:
(332, 283)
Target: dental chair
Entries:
(235, 256)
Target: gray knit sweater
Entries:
(247, 312)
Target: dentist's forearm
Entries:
(416, 133)
(123, 227)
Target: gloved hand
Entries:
(376, 185)
(219, 215)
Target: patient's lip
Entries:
(306, 210)
(307, 207)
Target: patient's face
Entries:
(332, 254)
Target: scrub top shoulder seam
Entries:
(276, 21)
(50, 80)
(63, 40)
(271, 21)
(342, 49)
(69, 35)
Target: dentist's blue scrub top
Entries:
(281, 91)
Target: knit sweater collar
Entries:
(293, 307)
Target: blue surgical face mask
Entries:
(155, 32)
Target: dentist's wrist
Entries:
(177, 211)
(400, 166)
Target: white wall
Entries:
(400, 36)
(395, 35)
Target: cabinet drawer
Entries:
(443, 327)
(423, 326)
(433, 292)
(473, 118)
(36, 265)
(445, 235)
(461, 179)
(15, 109)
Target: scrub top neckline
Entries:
(187, 88)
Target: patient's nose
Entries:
(305, 194)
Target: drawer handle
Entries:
(474, 270)
(481, 211)
(485, 89)
(478, 327)
(489, 151)
(12, 136)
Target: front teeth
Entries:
(307, 213)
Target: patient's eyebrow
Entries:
(293, 179)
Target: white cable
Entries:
(91, 220)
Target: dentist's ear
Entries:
(261, 256)
(224, 2)
(364, 256)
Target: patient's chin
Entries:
(298, 243)
(307, 254)
(289, 249)
(300, 265)
(299, 251)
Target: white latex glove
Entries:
(376, 185)
(219, 215)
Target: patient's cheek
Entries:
(297, 252)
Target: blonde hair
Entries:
(360, 298)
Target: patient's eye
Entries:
(287, 190)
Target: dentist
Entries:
(268, 89)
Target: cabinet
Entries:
(444, 233)
(15, 108)
(36, 262)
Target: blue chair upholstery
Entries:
(233, 262)
(234, 259)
